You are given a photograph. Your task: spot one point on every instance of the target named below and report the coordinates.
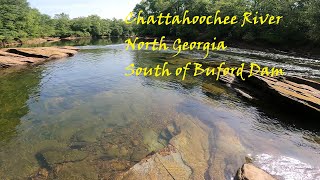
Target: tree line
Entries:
(300, 25)
(18, 21)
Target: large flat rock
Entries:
(10, 57)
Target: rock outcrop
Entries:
(10, 57)
(185, 157)
(195, 152)
(300, 92)
(250, 172)
(296, 95)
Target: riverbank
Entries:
(37, 41)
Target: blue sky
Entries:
(76, 8)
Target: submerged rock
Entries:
(54, 157)
(151, 140)
(228, 153)
(76, 170)
(166, 164)
(42, 174)
(193, 144)
(185, 157)
(109, 169)
(250, 172)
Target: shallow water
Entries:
(86, 111)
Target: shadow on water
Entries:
(15, 90)
(287, 117)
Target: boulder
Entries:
(250, 172)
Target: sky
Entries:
(76, 8)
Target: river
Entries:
(76, 117)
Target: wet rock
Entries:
(21, 56)
(166, 164)
(109, 169)
(88, 135)
(193, 144)
(228, 154)
(139, 154)
(53, 157)
(150, 139)
(42, 174)
(185, 157)
(301, 80)
(44, 52)
(169, 132)
(108, 130)
(10, 61)
(250, 172)
(135, 143)
(123, 143)
(298, 95)
(79, 145)
(228, 79)
(76, 170)
(242, 93)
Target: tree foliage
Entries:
(301, 23)
(18, 20)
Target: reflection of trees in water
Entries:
(149, 59)
(15, 90)
(152, 59)
(81, 42)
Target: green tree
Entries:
(13, 14)
(63, 25)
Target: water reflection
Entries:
(79, 42)
(15, 91)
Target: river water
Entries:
(74, 116)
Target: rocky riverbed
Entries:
(98, 124)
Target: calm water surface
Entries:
(71, 106)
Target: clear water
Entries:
(87, 110)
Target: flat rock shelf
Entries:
(11, 57)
